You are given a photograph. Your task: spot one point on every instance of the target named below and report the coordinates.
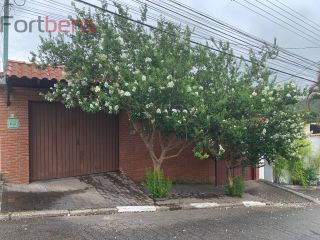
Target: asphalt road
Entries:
(236, 223)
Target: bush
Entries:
(297, 172)
(157, 184)
(236, 189)
(310, 176)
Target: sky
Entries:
(229, 11)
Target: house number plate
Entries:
(13, 122)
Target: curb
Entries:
(134, 209)
(302, 195)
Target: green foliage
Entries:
(297, 172)
(233, 109)
(236, 189)
(157, 184)
(311, 176)
(303, 166)
(279, 167)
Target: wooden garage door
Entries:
(68, 142)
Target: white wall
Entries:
(315, 141)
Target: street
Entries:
(221, 223)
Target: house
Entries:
(41, 140)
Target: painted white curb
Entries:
(253, 204)
(128, 209)
(204, 205)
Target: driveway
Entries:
(223, 223)
(90, 192)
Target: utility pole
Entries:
(5, 39)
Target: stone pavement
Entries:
(91, 192)
(266, 223)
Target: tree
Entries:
(314, 95)
(147, 73)
(248, 116)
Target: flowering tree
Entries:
(175, 93)
(314, 95)
(248, 116)
(124, 67)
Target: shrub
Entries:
(236, 189)
(297, 172)
(157, 184)
(310, 176)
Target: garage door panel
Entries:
(69, 142)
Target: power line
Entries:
(288, 18)
(298, 14)
(279, 24)
(284, 59)
(202, 35)
(205, 36)
(232, 28)
(191, 41)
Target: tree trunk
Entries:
(157, 166)
(229, 172)
(230, 178)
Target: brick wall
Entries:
(14, 143)
(134, 159)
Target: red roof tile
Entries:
(23, 69)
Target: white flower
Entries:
(288, 95)
(148, 60)
(116, 107)
(189, 89)
(254, 94)
(159, 111)
(97, 89)
(134, 89)
(174, 110)
(263, 100)
(116, 68)
(200, 88)
(196, 93)
(91, 105)
(124, 55)
(121, 92)
(84, 83)
(221, 150)
(169, 77)
(106, 85)
(136, 72)
(127, 94)
(144, 78)
(264, 131)
(185, 111)
(170, 84)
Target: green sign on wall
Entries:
(13, 122)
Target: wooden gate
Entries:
(68, 142)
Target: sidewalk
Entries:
(90, 192)
(104, 194)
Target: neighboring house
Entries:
(313, 133)
(41, 140)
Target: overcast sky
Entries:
(226, 10)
